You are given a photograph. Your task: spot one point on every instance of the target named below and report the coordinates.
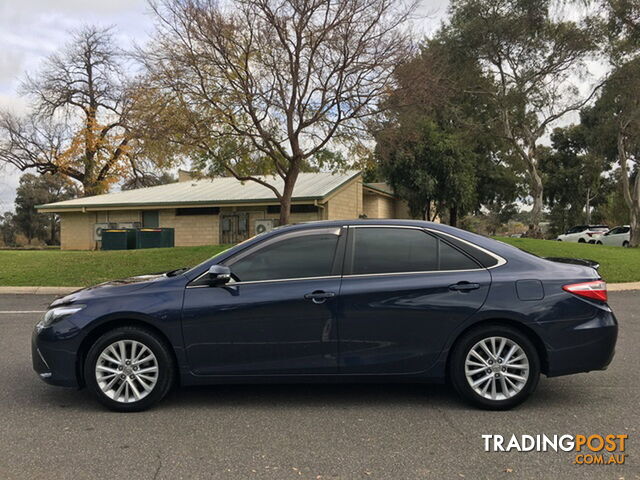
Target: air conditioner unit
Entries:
(129, 225)
(98, 227)
(263, 226)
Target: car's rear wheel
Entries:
(625, 244)
(494, 367)
(598, 242)
(582, 240)
(129, 369)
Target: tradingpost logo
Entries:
(593, 449)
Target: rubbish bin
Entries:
(154, 238)
(118, 239)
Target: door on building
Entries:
(234, 227)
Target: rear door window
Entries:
(402, 250)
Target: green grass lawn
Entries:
(81, 268)
(617, 264)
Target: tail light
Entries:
(596, 290)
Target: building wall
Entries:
(191, 230)
(347, 203)
(380, 206)
(76, 231)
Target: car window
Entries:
(577, 229)
(398, 250)
(298, 257)
(452, 259)
(615, 231)
(624, 229)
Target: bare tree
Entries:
(78, 120)
(536, 61)
(262, 87)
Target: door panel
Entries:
(262, 328)
(400, 323)
(403, 293)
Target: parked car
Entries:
(336, 301)
(583, 233)
(616, 237)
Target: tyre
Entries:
(598, 242)
(582, 240)
(625, 244)
(494, 367)
(129, 369)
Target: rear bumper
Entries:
(583, 346)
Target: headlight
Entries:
(56, 314)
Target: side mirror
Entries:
(218, 275)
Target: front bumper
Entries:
(53, 363)
(582, 346)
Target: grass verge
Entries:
(62, 268)
(39, 268)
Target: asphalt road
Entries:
(307, 432)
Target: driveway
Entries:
(307, 431)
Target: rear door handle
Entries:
(319, 296)
(464, 286)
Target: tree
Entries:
(534, 60)
(7, 229)
(428, 167)
(261, 87)
(78, 124)
(148, 180)
(37, 190)
(616, 115)
(615, 126)
(574, 177)
(434, 147)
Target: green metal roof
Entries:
(222, 190)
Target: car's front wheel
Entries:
(129, 369)
(494, 367)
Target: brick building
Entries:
(221, 210)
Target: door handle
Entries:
(464, 286)
(319, 296)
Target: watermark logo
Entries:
(589, 449)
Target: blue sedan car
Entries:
(364, 300)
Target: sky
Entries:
(31, 30)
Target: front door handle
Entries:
(464, 286)
(319, 296)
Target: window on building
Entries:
(150, 219)
(197, 211)
(275, 209)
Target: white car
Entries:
(583, 233)
(616, 237)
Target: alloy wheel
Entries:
(497, 368)
(126, 371)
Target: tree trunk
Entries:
(587, 208)
(287, 193)
(631, 197)
(536, 193)
(453, 216)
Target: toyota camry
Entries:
(335, 301)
